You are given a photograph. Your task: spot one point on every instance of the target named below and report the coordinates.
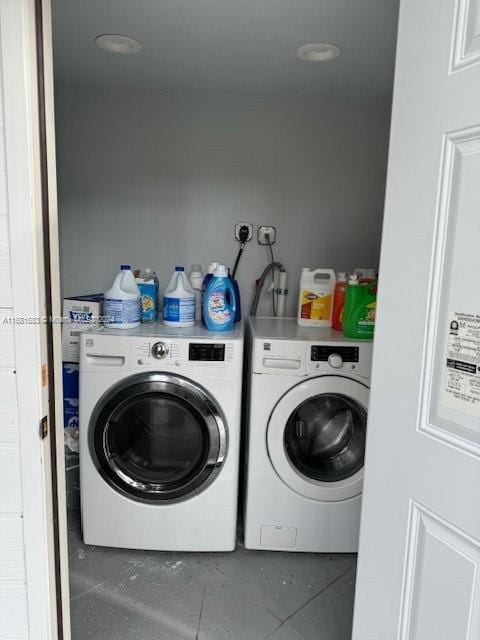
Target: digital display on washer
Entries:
(321, 353)
(206, 352)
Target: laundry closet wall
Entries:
(158, 180)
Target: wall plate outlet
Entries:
(262, 233)
(239, 225)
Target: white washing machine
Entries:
(159, 437)
(307, 421)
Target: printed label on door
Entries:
(316, 306)
(461, 387)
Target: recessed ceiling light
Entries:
(319, 52)
(116, 43)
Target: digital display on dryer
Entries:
(321, 353)
(199, 352)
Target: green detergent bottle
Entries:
(358, 318)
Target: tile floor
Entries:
(120, 594)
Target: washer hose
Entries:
(260, 282)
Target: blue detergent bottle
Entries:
(238, 304)
(219, 303)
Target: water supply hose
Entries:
(282, 293)
(256, 298)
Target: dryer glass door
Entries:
(316, 437)
(158, 437)
(325, 437)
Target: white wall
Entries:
(158, 180)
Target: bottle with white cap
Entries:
(360, 310)
(219, 302)
(315, 301)
(122, 306)
(365, 275)
(196, 280)
(211, 268)
(179, 301)
(208, 276)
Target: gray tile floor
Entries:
(120, 594)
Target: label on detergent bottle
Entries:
(178, 310)
(316, 306)
(368, 319)
(218, 309)
(121, 311)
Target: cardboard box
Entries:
(79, 313)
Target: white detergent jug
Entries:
(196, 280)
(122, 304)
(179, 301)
(315, 302)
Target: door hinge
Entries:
(44, 427)
(44, 375)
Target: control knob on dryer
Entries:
(335, 360)
(160, 350)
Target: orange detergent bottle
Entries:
(339, 300)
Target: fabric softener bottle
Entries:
(219, 304)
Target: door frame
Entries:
(50, 230)
(56, 547)
(46, 157)
(34, 297)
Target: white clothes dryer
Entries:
(159, 437)
(306, 431)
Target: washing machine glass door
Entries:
(316, 437)
(157, 438)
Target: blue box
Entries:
(70, 380)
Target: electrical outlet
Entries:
(262, 233)
(249, 226)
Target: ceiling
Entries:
(229, 46)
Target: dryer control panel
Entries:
(175, 353)
(201, 352)
(107, 352)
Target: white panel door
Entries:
(419, 563)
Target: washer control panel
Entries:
(278, 356)
(338, 359)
